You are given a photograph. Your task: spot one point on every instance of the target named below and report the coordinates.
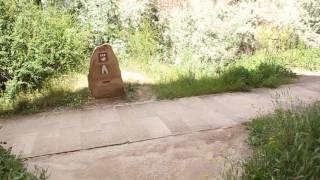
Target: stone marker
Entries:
(104, 74)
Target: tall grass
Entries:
(233, 78)
(62, 91)
(298, 58)
(12, 167)
(285, 145)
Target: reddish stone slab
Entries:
(104, 75)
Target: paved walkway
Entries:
(67, 131)
(204, 155)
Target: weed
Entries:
(57, 92)
(285, 145)
(305, 59)
(12, 167)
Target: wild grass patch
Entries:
(12, 167)
(58, 92)
(299, 58)
(284, 145)
(233, 78)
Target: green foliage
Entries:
(301, 58)
(11, 167)
(234, 78)
(144, 40)
(196, 50)
(275, 38)
(56, 92)
(271, 75)
(285, 145)
(309, 21)
(312, 14)
(142, 44)
(37, 44)
(70, 6)
(103, 16)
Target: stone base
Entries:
(107, 89)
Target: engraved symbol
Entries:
(104, 69)
(103, 57)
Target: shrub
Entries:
(37, 45)
(305, 59)
(70, 6)
(236, 78)
(144, 38)
(271, 75)
(285, 145)
(142, 44)
(310, 21)
(220, 32)
(200, 37)
(277, 38)
(69, 91)
(103, 16)
(12, 168)
(263, 75)
(312, 14)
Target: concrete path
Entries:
(204, 155)
(68, 131)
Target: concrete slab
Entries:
(196, 156)
(67, 119)
(21, 144)
(105, 115)
(170, 114)
(193, 116)
(143, 110)
(45, 145)
(313, 86)
(239, 107)
(23, 124)
(112, 133)
(69, 140)
(199, 113)
(124, 112)
(145, 128)
(176, 126)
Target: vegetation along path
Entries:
(67, 131)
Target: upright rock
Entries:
(104, 74)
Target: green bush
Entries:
(264, 75)
(37, 44)
(284, 145)
(309, 21)
(303, 58)
(69, 91)
(270, 75)
(103, 17)
(142, 44)
(312, 14)
(275, 38)
(12, 167)
(236, 78)
(144, 36)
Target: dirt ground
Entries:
(196, 156)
